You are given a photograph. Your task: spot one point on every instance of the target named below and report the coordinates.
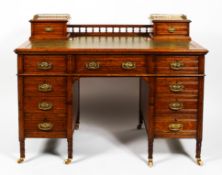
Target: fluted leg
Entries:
(70, 151)
(22, 151)
(77, 120)
(139, 126)
(198, 152)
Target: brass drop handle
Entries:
(175, 127)
(128, 65)
(45, 87)
(177, 87)
(92, 65)
(45, 106)
(48, 29)
(176, 65)
(176, 106)
(44, 66)
(45, 126)
(171, 29)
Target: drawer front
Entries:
(45, 105)
(175, 128)
(173, 105)
(45, 86)
(44, 64)
(171, 28)
(111, 64)
(49, 28)
(177, 87)
(177, 64)
(50, 125)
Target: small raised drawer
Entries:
(175, 128)
(44, 64)
(177, 64)
(45, 86)
(111, 64)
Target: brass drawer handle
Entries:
(177, 87)
(44, 66)
(92, 65)
(45, 126)
(45, 106)
(175, 127)
(128, 65)
(45, 87)
(176, 106)
(176, 65)
(48, 29)
(171, 29)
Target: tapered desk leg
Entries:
(22, 151)
(198, 152)
(77, 101)
(70, 151)
(139, 126)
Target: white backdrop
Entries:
(112, 150)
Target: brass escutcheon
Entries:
(44, 65)
(45, 87)
(128, 65)
(176, 65)
(175, 127)
(171, 29)
(92, 65)
(177, 87)
(176, 106)
(45, 126)
(48, 29)
(45, 106)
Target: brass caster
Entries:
(139, 126)
(77, 126)
(150, 162)
(20, 160)
(68, 161)
(199, 162)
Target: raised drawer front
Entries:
(44, 64)
(48, 125)
(45, 86)
(111, 64)
(177, 87)
(49, 28)
(175, 128)
(177, 64)
(172, 28)
(45, 105)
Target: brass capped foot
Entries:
(68, 161)
(77, 126)
(150, 162)
(199, 161)
(20, 160)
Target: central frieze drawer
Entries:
(111, 64)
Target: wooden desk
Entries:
(171, 83)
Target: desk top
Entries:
(114, 44)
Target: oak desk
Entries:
(171, 82)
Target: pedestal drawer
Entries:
(45, 86)
(44, 64)
(177, 64)
(175, 128)
(50, 125)
(45, 105)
